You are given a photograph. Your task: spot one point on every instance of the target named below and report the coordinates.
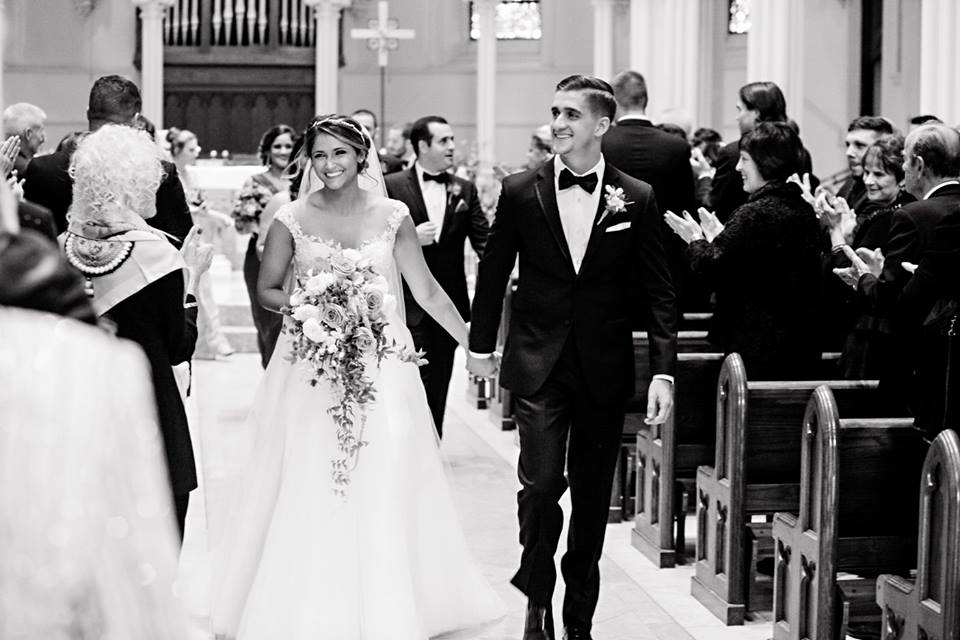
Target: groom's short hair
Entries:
(598, 93)
(420, 131)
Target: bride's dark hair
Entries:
(343, 128)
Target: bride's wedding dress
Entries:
(388, 562)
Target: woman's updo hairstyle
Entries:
(178, 139)
(888, 152)
(268, 138)
(775, 148)
(343, 128)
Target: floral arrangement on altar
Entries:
(338, 318)
(250, 203)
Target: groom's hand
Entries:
(485, 367)
(659, 401)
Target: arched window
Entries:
(516, 20)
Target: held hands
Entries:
(483, 367)
(427, 233)
(659, 401)
(688, 228)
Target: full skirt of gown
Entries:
(389, 561)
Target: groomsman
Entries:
(446, 211)
(589, 239)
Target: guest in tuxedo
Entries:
(113, 100)
(541, 147)
(861, 133)
(765, 263)
(931, 164)
(865, 335)
(446, 211)
(368, 120)
(135, 277)
(399, 146)
(662, 160)
(27, 122)
(756, 102)
(589, 239)
(275, 150)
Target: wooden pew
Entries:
(622, 499)
(667, 455)
(929, 607)
(858, 502)
(756, 471)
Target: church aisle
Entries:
(637, 602)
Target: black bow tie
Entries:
(442, 178)
(588, 182)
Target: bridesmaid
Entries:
(275, 150)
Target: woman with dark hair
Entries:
(275, 148)
(756, 102)
(866, 345)
(765, 263)
(302, 559)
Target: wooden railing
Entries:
(258, 24)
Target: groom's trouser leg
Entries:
(595, 435)
(543, 422)
(440, 349)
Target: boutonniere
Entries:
(616, 202)
(454, 189)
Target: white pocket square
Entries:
(618, 227)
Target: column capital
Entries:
(327, 5)
(152, 8)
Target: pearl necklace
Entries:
(95, 258)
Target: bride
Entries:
(389, 561)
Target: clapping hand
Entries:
(198, 256)
(700, 165)
(862, 262)
(686, 227)
(9, 150)
(909, 267)
(805, 190)
(710, 224)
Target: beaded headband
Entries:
(344, 122)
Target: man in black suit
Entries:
(931, 163)
(862, 132)
(446, 211)
(113, 100)
(27, 122)
(662, 160)
(368, 120)
(589, 239)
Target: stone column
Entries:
(3, 46)
(939, 53)
(775, 50)
(603, 16)
(151, 57)
(486, 82)
(327, 91)
(665, 44)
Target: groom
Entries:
(589, 241)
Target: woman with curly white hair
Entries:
(136, 279)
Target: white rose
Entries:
(352, 255)
(318, 284)
(314, 331)
(296, 298)
(305, 312)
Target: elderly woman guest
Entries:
(765, 263)
(866, 342)
(275, 150)
(135, 277)
(184, 149)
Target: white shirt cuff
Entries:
(481, 356)
(663, 376)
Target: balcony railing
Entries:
(205, 31)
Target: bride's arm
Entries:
(423, 285)
(277, 254)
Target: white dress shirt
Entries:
(940, 186)
(434, 198)
(578, 209)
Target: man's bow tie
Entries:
(442, 178)
(588, 182)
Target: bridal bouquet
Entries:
(338, 318)
(250, 202)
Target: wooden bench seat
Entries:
(856, 515)
(929, 607)
(756, 471)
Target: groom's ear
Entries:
(603, 125)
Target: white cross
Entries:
(382, 34)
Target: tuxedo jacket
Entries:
(624, 259)
(47, 183)
(656, 157)
(462, 219)
(913, 232)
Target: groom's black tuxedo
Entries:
(462, 219)
(568, 359)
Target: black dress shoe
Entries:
(576, 633)
(539, 623)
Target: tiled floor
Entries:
(638, 601)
